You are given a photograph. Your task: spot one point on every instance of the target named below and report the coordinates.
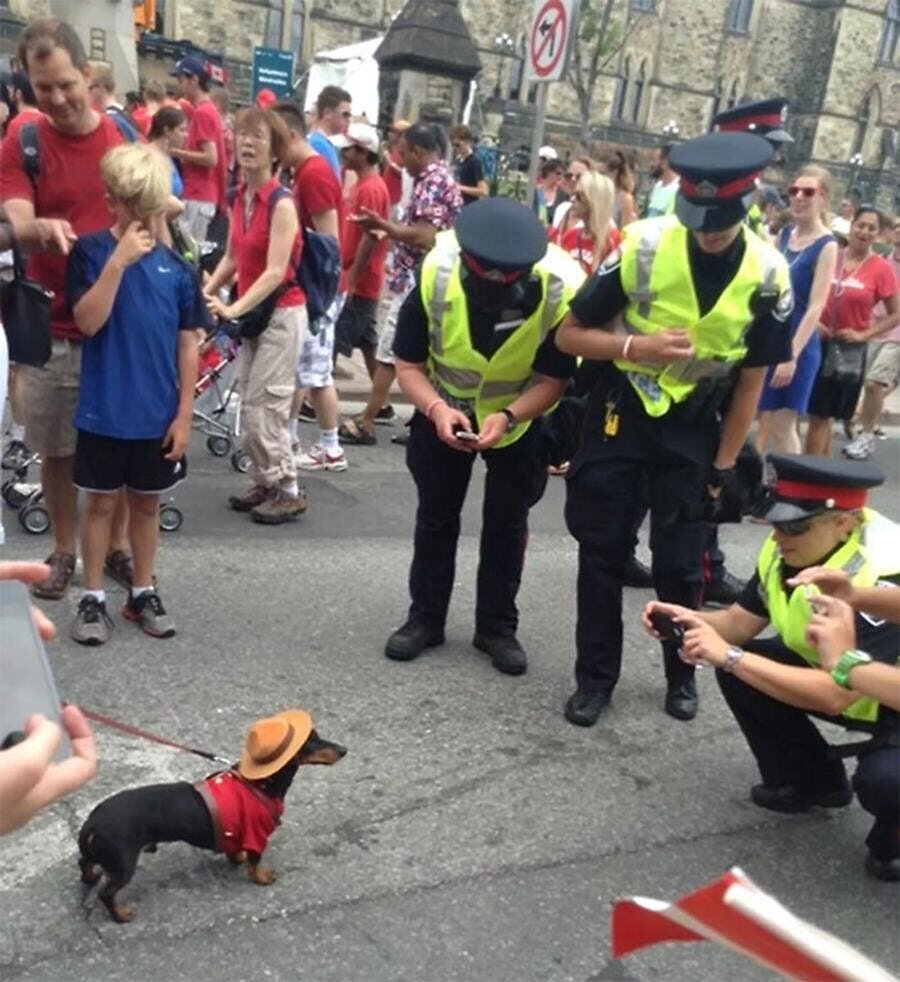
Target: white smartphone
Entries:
(466, 435)
(26, 682)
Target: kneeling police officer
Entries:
(773, 686)
(475, 355)
(684, 321)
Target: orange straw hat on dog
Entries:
(272, 742)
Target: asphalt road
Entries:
(471, 833)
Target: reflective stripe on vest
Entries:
(655, 275)
(871, 553)
(464, 377)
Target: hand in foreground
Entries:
(135, 243)
(47, 235)
(177, 439)
(370, 220)
(675, 611)
(491, 431)
(784, 374)
(31, 573)
(30, 780)
(218, 309)
(831, 630)
(833, 582)
(663, 347)
(446, 421)
(702, 644)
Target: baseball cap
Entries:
(358, 135)
(548, 153)
(266, 98)
(191, 65)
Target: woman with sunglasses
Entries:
(810, 250)
(593, 234)
(551, 193)
(863, 279)
(819, 518)
(563, 219)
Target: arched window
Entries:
(739, 13)
(639, 86)
(621, 96)
(890, 32)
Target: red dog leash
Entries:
(134, 731)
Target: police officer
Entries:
(476, 356)
(766, 118)
(818, 517)
(684, 323)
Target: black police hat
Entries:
(500, 234)
(718, 174)
(765, 118)
(806, 485)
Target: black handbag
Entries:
(25, 311)
(255, 321)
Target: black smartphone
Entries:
(666, 627)
(465, 435)
(26, 682)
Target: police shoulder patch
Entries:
(785, 304)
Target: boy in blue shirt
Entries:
(139, 305)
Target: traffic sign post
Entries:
(549, 40)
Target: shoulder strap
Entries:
(31, 151)
(129, 133)
(277, 195)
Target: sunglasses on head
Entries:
(796, 192)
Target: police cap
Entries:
(765, 118)
(806, 485)
(718, 174)
(499, 234)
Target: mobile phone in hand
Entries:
(26, 682)
(466, 435)
(667, 628)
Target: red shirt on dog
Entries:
(247, 817)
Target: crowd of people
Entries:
(631, 354)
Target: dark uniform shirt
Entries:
(488, 329)
(469, 173)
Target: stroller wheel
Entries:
(218, 446)
(34, 519)
(170, 518)
(240, 461)
(11, 495)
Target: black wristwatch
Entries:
(511, 420)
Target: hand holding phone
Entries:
(666, 627)
(467, 436)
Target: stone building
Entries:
(675, 62)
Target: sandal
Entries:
(62, 568)
(118, 567)
(354, 432)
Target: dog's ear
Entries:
(319, 751)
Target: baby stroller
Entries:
(217, 408)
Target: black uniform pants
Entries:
(789, 749)
(516, 478)
(605, 491)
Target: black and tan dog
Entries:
(232, 811)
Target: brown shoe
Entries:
(248, 501)
(117, 566)
(280, 508)
(62, 567)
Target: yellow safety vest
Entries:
(871, 553)
(460, 373)
(656, 277)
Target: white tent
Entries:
(352, 67)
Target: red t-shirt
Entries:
(853, 296)
(141, 118)
(393, 178)
(580, 245)
(250, 244)
(27, 115)
(316, 189)
(372, 193)
(246, 821)
(69, 186)
(205, 183)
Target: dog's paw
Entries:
(90, 874)
(121, 914)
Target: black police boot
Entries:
(411, 640)
(883, 869)
(507, 655)
(637, 574)
(792, 798)
(724, 590)
(584, 708)
(681, 698)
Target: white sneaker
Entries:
(861, 447)
(317, 459)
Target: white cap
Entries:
(358, 135)
(548, 153)
(840, 226)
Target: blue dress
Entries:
(803, 268)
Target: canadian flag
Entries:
(217, 73)
(735, 913)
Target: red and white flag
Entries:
(735, 913)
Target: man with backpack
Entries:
(59, 181)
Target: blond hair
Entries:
(823, 179)
(138, 177)
(598, 194)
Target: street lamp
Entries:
(670, 130)
(856, 162)
(503, 45)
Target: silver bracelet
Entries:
(733, 655)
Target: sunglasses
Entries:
(797, 526)
(797, 192)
